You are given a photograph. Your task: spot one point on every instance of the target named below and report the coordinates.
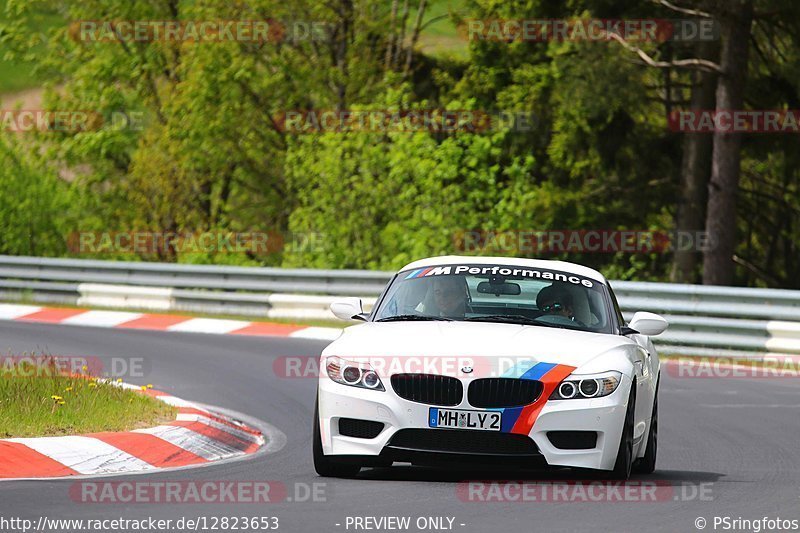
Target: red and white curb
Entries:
(158, 322)
(197, 437)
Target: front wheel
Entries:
(647, 464)
(327, 466)
(624, 464)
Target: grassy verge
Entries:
(37, 400)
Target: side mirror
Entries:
(649, 324)
(348, 309)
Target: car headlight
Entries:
(352, 373)
(587, 386)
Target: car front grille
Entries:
(503, 392)
(463, 442)
(428, 388)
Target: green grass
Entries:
(441, 37)
(37, 400)
(17, 76)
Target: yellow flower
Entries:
(68, 389)
(92, 385)
(56, 398)
(61, 402)
(149, 385)
(119, 380)
(84, 368)
(144, 387)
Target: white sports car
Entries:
(487, 360)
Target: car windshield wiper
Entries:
(400, 318)
(514, 319)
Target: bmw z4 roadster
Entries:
(490, 360)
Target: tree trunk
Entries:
(414, 37)
(695, 173)
(718, 266)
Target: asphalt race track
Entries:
(727, 447)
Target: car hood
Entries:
(475, 339)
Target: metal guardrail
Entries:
(712, 320)
(704, 320)
(252, 279)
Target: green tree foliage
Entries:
(34, 204)
(192, 139)
(380, 208)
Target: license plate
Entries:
(462, 419)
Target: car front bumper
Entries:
(605, 416)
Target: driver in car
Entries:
(555, 300)
(450, 296)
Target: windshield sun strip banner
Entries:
(513, 271)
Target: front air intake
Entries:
(360, 429)
(573, 440)
(463, 442)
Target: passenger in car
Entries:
(556, 300)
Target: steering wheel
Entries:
(560, 320)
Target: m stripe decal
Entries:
(510, 416)
(551, 380)
(538, 370)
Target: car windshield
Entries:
(497, 293)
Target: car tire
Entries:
(647, 464)
(327, 466)
(624, 463)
